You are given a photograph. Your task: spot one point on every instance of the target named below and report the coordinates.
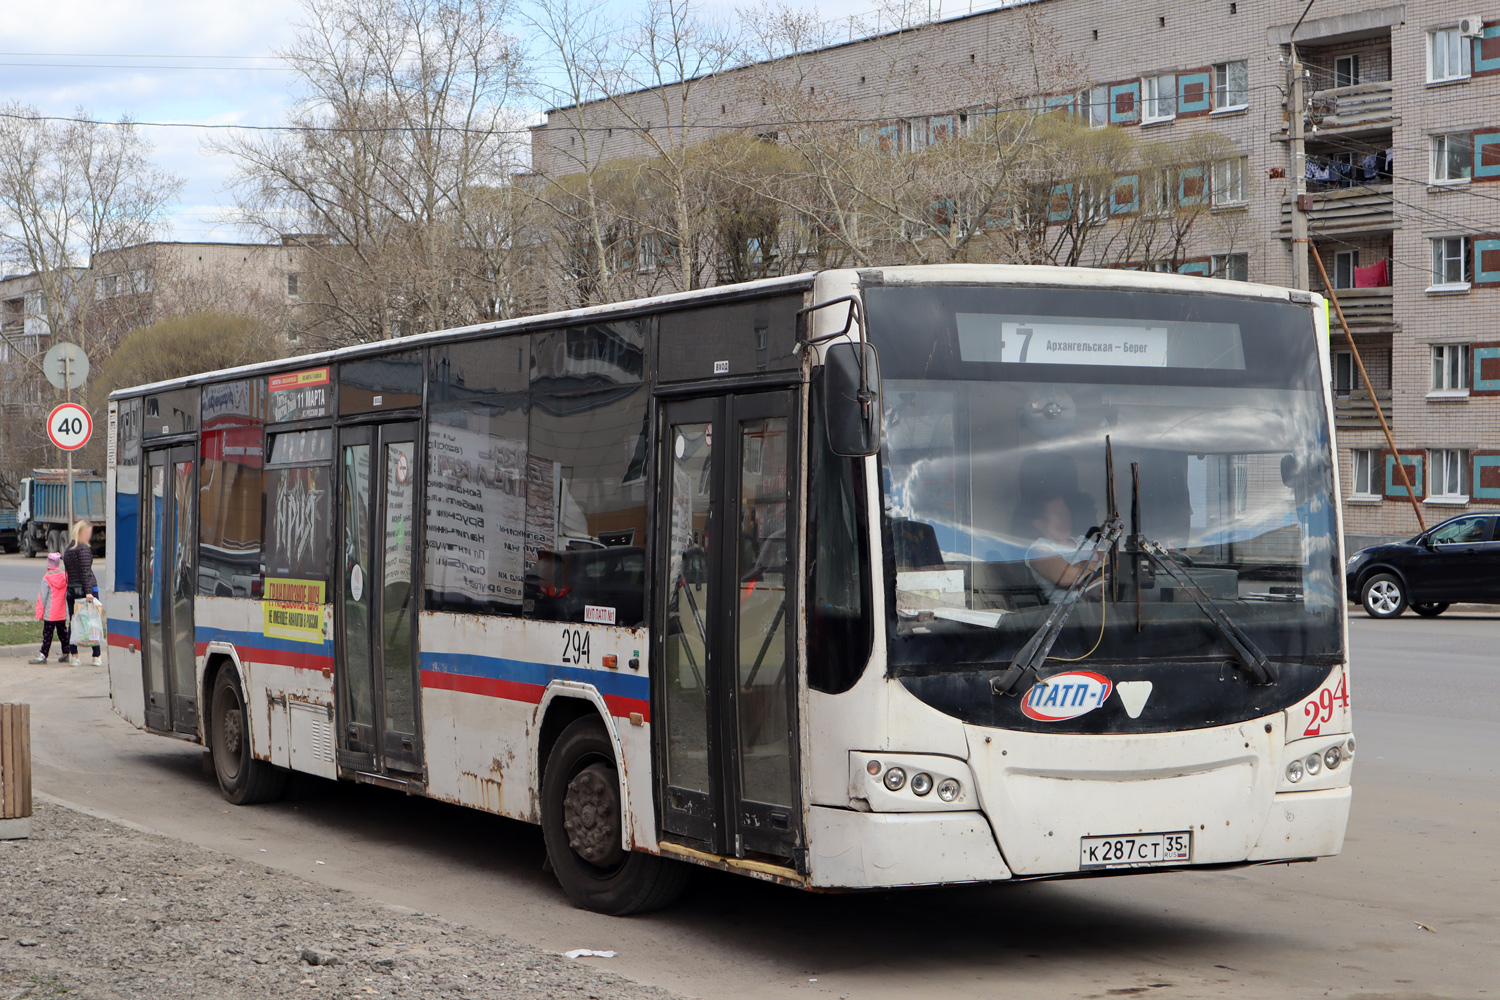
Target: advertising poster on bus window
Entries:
(476, 514)
(297, 509)
(300, 395)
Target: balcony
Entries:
(1368, 208)
(1368, 310)
(1347, 111)
(1355, 412)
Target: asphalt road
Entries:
(1407, 912)
(20, 577)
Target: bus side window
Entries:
(475, 531)
(586, 507)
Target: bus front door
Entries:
(726, 691)
(168, 545)
(375, 600)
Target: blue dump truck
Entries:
(10, 535)
(42, 512)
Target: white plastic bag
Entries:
(88, 624)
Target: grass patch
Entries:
(16, 633)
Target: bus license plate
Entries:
(1133, 849)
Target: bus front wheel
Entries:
(243, 779)
(581, 825)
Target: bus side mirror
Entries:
(851, 399)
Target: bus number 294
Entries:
(575, 645)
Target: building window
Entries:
(293, 285)
(1450, 262)
(1450, 367)
(1229, 182)
(1452, 157)
(647, 254)
(1345, 373)
(1447, 466)
(1230, 266)
(1362, 473)
(1447, 55)
(1231, 85)
(1346, 71)
(1096, 105)
(916, 135)
(1344, 263)
(1160, 96)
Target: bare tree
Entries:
(624, 173)
(390, 163)
(69, 192)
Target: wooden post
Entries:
(15, 771)
(1364, 377)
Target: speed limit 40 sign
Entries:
(69, 426)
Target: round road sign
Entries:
(69, 426)
(66, 365)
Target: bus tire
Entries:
(243, 779)
(581, 790)
(1383, 595)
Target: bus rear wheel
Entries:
(581, 826)
(243, 779)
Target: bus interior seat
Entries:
(1009, 584)
(916, 545)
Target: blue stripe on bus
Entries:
(609, 682)
(255, 640)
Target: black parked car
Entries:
(1457, 561)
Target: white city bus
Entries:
(890, 577)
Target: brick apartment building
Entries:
(1403, 140)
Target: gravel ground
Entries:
(93, 909)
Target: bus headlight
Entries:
(1332, 757)
(948, 789)
(895, 777)
(1294, 771)
(1313, 764)
(921, 783)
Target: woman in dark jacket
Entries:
(78, 560)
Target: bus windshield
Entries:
(999, 407)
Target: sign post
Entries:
(67, 366)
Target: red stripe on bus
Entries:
(489, 686)
(278, 657)
(531, 694)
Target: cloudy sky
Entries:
(199, 61)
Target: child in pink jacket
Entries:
(52, 609)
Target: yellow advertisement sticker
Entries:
(292, 620)
(294, 591)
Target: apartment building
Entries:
(1403, 141)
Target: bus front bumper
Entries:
(1226, 787)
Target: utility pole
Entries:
(1302, 201)
(68, 381)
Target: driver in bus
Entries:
(1056, 558)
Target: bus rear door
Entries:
(169, 537)
(724, 618)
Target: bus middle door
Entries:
(375, 595)
(725, 607)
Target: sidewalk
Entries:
(98, 909)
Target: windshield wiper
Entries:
(1035, 652)
(1249, 655)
